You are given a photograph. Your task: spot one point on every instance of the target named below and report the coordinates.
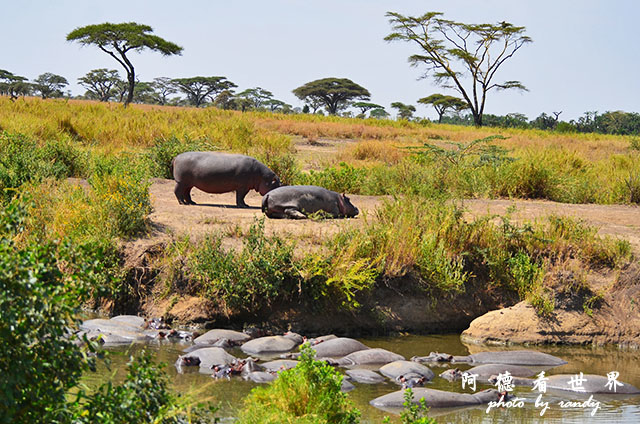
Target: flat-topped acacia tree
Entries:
(333, 93)
(119, 39)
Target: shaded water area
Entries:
(589, 360)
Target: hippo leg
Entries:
(240, 193)
(182, 192)
(294, 214)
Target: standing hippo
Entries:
(214, 172)
(297, 202)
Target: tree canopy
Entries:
(334, 93)
(101, 84)
(404, 111)
(199, 89)
(455, 52)
(50, 85)
(441, 103)
(118, 39)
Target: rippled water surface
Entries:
(229, 394)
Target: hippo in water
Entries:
(214, 172)
(437, 398)
(297, 202)
(510, 357)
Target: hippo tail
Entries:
(265, 205)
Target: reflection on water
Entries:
(229, 394)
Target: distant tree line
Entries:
(610, 122)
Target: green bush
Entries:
(262, 272)
(38, 304)
(307, 394)
(161, 154)
(23, 160)
(41, 362)
(345, 179)
(123, 203)
(143, 397)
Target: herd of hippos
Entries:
(209, 353)
(214, 172)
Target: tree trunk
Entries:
(132, 84)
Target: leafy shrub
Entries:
(123, 202)
(309, 393)
(23, 160)
(37, 306)
(284, 165)
(260, 273)
(161, 154)
(143, 397)
(345, 179)
(41, 362)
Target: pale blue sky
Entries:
(584, 55)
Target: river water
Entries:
(589, 360)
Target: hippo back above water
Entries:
(297, 202)
(214, 172)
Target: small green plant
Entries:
(413, 413)
(307, 394)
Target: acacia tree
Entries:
(101, 83)
(119, 39)
(199, 89)
(454, 52)
(163, 87)
(441, 103)
(13, 85)
(257, 97)
(365, 106)
(334, 93)
(49, 85)
(404, 111)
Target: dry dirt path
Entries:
(218, 213)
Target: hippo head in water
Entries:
(267, 184)
(346, 207)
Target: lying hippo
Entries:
(211, 337)
(214, 172)
(436, 398)
(510, 357)
(397, 369)
(297, 202)
(338, 347)
(485, 371)
(592, 384)
(365, 376)
(366, 356)
(272, 344)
